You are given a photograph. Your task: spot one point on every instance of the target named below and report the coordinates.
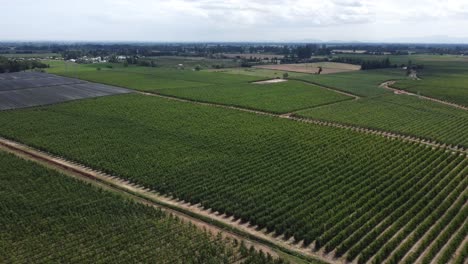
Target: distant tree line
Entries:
(309, 50)
(134, 60)
(376, 64)
(291, 50)
(14, 65)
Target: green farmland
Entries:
(338, 194)
(221, 88)
(442, 77)
(365, 197)
(50, 218)
(402, 114)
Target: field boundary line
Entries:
(204, 219)
(388, 85)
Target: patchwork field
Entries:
(357, 196)
(327, 67)
(48, 217)
(215, 87)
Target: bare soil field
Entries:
(327, 67)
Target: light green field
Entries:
(278, 97)
(191, 62)
(361, 83)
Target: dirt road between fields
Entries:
(388, 85)
(195, 214)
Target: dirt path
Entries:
(388, 85)
(195, 214)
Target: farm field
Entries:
(361, 83)
(360, 197)
(444, 80)
(191, 62)
(404, 114)
(327, 67)
(214, 87)
(258, 72)
(275, 97)
(48, 217)
(443, 76)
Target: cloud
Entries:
(230, 20)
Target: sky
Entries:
(235, 20)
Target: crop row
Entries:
(50, 218)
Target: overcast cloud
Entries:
(235, 20)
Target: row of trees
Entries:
(14, 65)
(366, 64)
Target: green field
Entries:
(279, 97)
(222, 88)
(191, 62)
(443, 76)
(361, 83)
(48, 217)
(363, 195)
(446, 80)
(402, 114)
